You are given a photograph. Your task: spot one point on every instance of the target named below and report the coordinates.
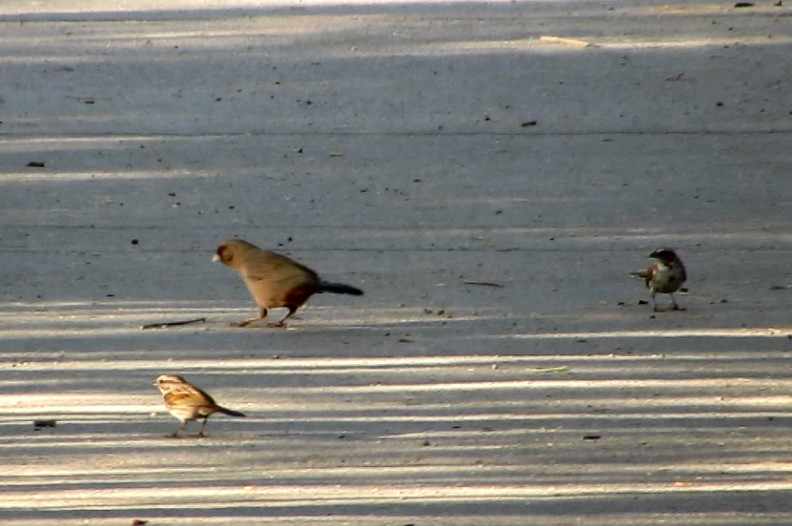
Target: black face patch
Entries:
(224, 254)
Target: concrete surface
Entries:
(409, 148)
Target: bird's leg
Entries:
(261, 316)
(654, 301)
(674, 303)
(200, 433)
(282, 324)
(175, 433)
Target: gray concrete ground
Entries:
(409, 148)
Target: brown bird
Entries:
(275, 280)
(666, 275)
(186, 402)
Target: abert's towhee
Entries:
(275, 280)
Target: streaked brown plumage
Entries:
(275, 280)
(186, 402)
(666, 275)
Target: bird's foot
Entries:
(246, 322)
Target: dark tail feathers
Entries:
(231, 412)
(340, 288)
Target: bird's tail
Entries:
(640, 274)
(231, 412)
(339, 288)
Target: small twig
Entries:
(165, 325)
(483, 283)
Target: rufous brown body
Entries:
(275, 280)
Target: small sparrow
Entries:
(666, 275)
(275, 280)
(186, 402)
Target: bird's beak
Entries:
(215, 257)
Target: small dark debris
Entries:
(426, 443)
(719, 104)
(36, 164)
(341, 436)
(40, 424)
(744, 4)
(621, 303)
(642, 302)
(591, 437)
(134, 241)
(405, 340)
(527, 124)
(138, 522)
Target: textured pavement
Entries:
(488, 173)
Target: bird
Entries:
(275, 280)
(665, 275)
(186, 402)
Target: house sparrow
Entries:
(666, 275)
(275, 280)
(186, 402)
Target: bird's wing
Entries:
(275, 267)
(188, 395)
